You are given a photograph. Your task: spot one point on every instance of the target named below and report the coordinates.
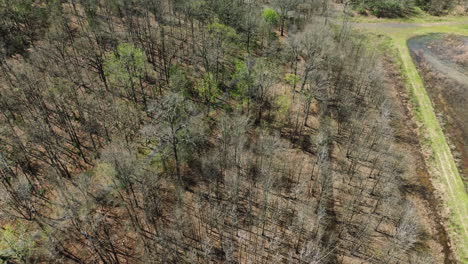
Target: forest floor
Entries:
(439, 158)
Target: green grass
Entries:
(442, 165)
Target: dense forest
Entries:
(406, 8)
(203, 131)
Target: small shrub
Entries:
(271, 16)
(361, 10)
(23, 22)
(441, 7)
